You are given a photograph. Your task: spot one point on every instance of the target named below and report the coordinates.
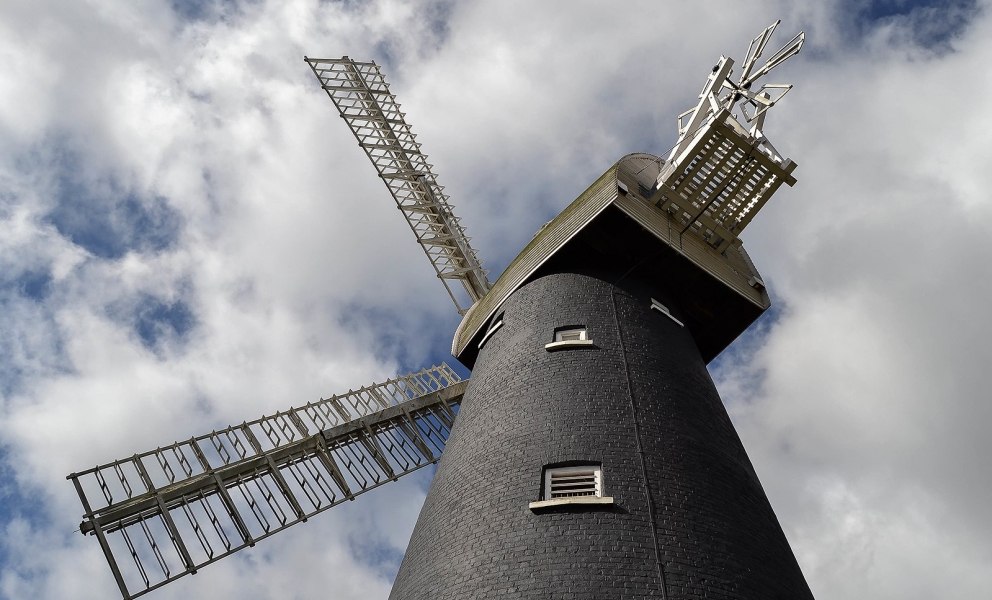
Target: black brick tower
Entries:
(683, 514)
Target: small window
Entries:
(497, 322)
(569, 482)
(568, 337)
(572, 485)
(658, 306)
(571, 335)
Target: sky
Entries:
(190, 237)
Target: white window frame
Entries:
(658, 306)
(492, 329)
(560, 341)
(574, 334)
(551, 472)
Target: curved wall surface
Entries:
(689, 514)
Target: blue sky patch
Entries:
(202, 10)
(36, 285)
(31, 341)
(155, 320)
(932, 23)
(880, 9)
(109, 225)
(389, 52)
(438, 14)
(14, 504)
(745, 347)
(416, 342)
(376, 553)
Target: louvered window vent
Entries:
(562, 486)
(581, 484)
(574, 482)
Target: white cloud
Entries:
(866, 423)
(862, 407)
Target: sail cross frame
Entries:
(166, 513)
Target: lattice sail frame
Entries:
(362, 97)
(720, 182)
(180, 507)
(720, 173)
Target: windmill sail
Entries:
(361, 95)
(163, 514)
(720, 173)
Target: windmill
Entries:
(592, 453)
